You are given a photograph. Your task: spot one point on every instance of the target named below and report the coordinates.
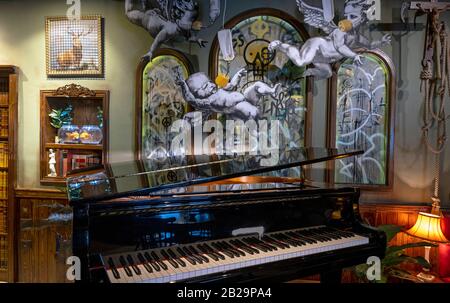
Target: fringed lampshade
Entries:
(428, 228)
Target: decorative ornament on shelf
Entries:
(91, 134)
(166, 20)
(342, 40)
(51, 163)
(74, 90)
(61, 117)
(69, 134)
(100, 116)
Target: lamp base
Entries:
(426, 277)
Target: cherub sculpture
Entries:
(341, 42)
(204, 95)
(168, 19)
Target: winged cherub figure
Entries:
(168, 19)
(204, 95)
(341, 42)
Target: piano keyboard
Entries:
(183, 262)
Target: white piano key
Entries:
(228, 264)
(111, 277)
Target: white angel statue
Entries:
(341, 42)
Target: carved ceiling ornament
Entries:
(74, 90)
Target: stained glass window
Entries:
(251, 38)
(162, 105)
(362, 120)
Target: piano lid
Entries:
(144, 177)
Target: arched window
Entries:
(159, 103)
(361, 113)
(252, 33)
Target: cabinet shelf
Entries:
(98, 147)
(86, 108)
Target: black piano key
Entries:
(124, 265)
(195, 252)
(295, 238)
(230, 248)
(214, 251)
(184, 255)
(152, 262)
(176, 258)
(144, 263)
(302, 236)
(190, 254)
(321, 234)
(113, 268)
(219, 247)
(249, 247)
(208, 253)
(169, 259)
(333, 234)
(136, 269)
(251, 242)
(269, 246)
(159, 260)
(290, 240)
(316, 236)
(278, 243)
(243, 247)
(237, 252)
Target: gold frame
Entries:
(68, 73)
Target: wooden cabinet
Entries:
(84, 107)
(8, 170)
(44, 235)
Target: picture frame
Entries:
(74, 48)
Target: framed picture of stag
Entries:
(74, 48)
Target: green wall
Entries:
(22, 43)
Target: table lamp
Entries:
(428, 228)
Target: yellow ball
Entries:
(222, 80)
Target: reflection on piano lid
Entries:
(150, 176)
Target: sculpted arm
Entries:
(234, 83)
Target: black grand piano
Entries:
(217, 219)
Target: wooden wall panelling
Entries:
(44, 240)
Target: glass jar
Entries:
(69, 134)
(91, 134)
